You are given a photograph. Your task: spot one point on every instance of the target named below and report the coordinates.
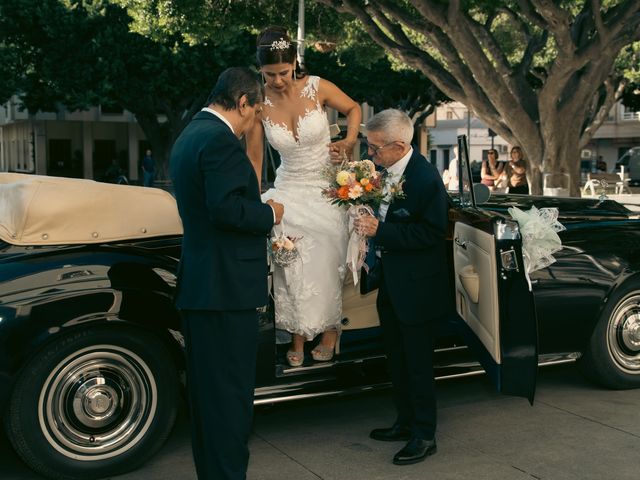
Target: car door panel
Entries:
(476, 285)
(495, 303)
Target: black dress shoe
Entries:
(397, 433)
(416, 450)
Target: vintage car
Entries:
(91, 362)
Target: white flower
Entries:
(355, 191)
(371, 165)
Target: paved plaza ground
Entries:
(574, 431)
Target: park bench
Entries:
(605, 183)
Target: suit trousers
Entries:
(221, 350)
(409, 350)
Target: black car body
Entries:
(90, 343)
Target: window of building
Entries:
(445, 157)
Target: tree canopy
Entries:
(82, 54)
(159, 59)
(543, 74)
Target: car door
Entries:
(492, 293)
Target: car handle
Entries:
(460, 243)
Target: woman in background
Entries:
(491, 169)
(516, 171)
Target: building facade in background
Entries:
(84, 144)
(619, 133)
(81, 144)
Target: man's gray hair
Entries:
(393, 124)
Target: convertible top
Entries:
(42, 210)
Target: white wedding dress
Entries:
(308, 294)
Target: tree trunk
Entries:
(550, 119)
(558, 156)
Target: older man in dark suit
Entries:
(409, 235)
(222, 276)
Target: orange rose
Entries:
(343, 192)
(368, 187)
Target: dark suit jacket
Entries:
(412, 243)
(224, 263)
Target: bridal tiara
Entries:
(280, 44)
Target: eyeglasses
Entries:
(375, 149)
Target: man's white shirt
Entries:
(394, 173)
(220, 116)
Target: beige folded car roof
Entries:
(41, 210)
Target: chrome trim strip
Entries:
(269, 401)
(553, 359)
(323, 365)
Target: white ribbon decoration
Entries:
(357, 246)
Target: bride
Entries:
(296, 125)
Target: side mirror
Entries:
(481, 192)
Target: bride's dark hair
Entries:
(274, 45)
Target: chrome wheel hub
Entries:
(97, 403)
(631, 333)
(623, 334)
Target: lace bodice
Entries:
(303, 150)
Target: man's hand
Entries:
(278, 209)
(366, 225)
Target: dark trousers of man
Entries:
(221, 349)
(409, 350)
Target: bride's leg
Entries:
(329, 338)
(297, 342)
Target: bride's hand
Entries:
(341, 150)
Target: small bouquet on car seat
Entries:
(360, 187)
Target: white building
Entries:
(452, 119)
(619, 133)
(72, 144)
(83, 144)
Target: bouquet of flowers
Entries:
(360, 187)
(283, 249)
(359, 183)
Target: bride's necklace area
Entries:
(285, 94)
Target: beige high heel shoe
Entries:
(322, 353)
(295, 359)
